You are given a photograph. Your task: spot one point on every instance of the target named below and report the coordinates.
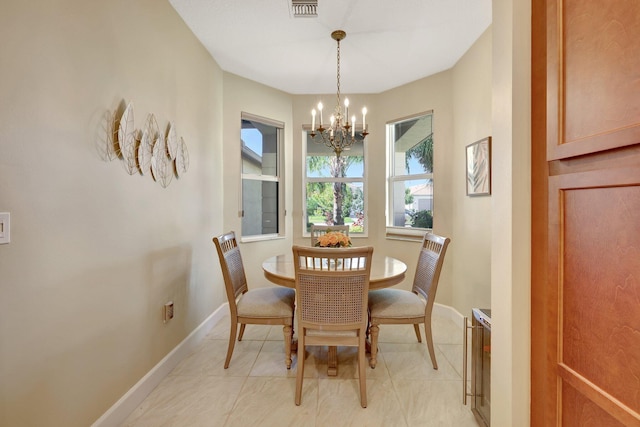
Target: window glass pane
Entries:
(334, 187)
(260, 205)
(322, 161)
(413, 146)
(327, 201)
(259, 148)
(262, 180)
(413, 203)
(410, 190)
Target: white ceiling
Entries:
(388, 43)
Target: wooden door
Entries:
(586, 213)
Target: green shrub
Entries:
(422, 219)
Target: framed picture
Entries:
(479, 168)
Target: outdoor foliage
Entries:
(338, 202)
(422, 219)
(333, 201)
(423, 152)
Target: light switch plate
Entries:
(5, 227)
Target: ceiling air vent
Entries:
(304, 8)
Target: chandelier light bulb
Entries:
(346, 108)
(364, 114)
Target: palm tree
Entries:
(423, 152)
(338, 166)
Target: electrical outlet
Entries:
(5, 227)
(167, 312)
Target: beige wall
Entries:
(471, 244)
(511, 219)
(95, 252)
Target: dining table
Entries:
(386, 271)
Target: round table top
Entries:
(385, 271)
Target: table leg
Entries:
(332, 361)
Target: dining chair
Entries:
(262, 306)
(397, 306)
(318, 230)
(332, 287)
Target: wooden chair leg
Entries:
(416, 327)
(232, 342)
(242, 325)
(300, 373)
(288, 337)
(375, 330)
(362, 372)
(429, 337)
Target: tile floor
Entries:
(257, 389)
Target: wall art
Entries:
(478, 170)
(146, 150)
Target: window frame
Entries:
(306, 180)
(393, 231)
(277, 178)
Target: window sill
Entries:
(266, 237)
(406, 233)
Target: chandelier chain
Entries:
(338, 76)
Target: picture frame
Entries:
(478, 168)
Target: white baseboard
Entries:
(136, 395)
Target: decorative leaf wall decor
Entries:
(182, 158)
(161, 165)
(172, 142)
(145, 149)
(127, 140)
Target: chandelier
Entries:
(341, 133)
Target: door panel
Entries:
(594, 58)
(596, 276)
(600, 288)
(580, 411)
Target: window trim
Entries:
(364, 180)
(393, 232)
(279, 178)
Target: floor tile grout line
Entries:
(244, 383)
(395, 389)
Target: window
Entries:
(262, 181)
(334, 186)
(410, 193)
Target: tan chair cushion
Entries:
(267, 302)
(395, 303)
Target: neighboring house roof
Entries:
(422, 190)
